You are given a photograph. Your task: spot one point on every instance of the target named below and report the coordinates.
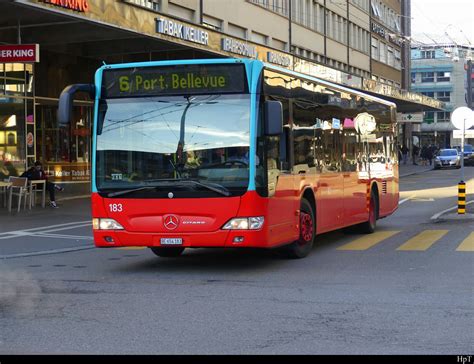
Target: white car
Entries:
(447, 158)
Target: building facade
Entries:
(441, 72)
(330, 39)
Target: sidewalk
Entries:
(410, 169)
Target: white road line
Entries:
(60, 236)
(405, 200)
(49, 227)
(436, 216)
(43, 229)
(47, 252)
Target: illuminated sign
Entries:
(24, 53)
(77, 5)
(278, 58)
(238, 47)
(175, 80)
(181, 31)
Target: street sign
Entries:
(457, 134)
(410, 117)
(462, 118)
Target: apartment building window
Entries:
(211, 22)
(429, 94)
(375, 49)
(444, 96)
(149, 4)
(443, 117)
(390, 56)
(428, 54)
(337, 27)
(277, 6)
(443, 76)
(386, 15)
(398, 60)
(427, 76)
(413, 77)
(363, 4)
(383, 52)
(259, 38)
(237, 31)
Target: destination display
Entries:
(174, 80)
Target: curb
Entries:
(413, 173)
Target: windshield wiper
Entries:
(213, 187)
(126, 192)
(170, 182)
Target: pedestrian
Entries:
(424, 155)
(405, 151)
(430, 152)
(37, 173)
(415, 151)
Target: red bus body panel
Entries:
(341, 200)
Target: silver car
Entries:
(447, 158)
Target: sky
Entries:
(431, 19)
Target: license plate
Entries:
(171, 241)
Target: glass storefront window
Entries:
(12, 137)
(65, 151)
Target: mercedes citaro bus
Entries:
(233, 153)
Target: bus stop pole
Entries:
(462, 184)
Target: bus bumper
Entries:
(218, 239)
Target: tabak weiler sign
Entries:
(19, 53)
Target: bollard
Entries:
(461, 198)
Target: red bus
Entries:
(234, 153)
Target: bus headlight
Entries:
(106, 224)
(245, 223)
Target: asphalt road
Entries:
(394, 292)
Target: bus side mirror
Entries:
(67, 98)
(273, 118)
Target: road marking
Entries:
(423, 240)
(436, 216)
(47, 252)
(405, 200)
(368, 241)
(43, 229)
(467, 245)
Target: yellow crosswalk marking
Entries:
(423, 240)
(368, 241)
(467, 245)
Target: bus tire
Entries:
(167, 252)
(370, 225)
(303, 246)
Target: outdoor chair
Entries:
(19, 187)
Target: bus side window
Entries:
(304, 135)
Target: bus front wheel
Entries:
(302, 247)
(167, 252)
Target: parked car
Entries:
(468, 154)
(447, 158)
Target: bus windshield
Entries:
(161, 141)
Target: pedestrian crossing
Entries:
(417, 242)
(422, 241)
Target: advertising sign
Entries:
(19, 53)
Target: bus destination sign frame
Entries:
(174, 80)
